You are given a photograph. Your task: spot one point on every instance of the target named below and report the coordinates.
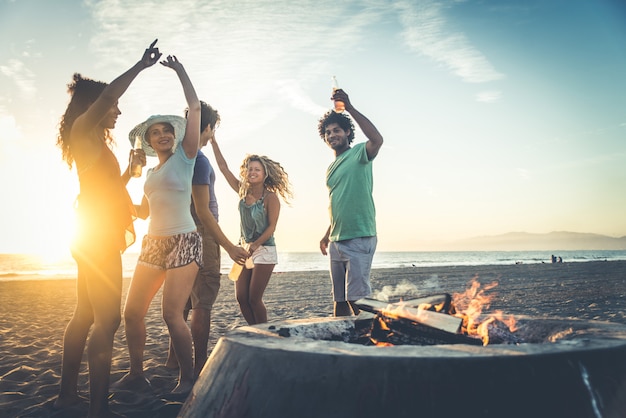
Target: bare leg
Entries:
(355, 309)
(146, 282)
(260, 278)
(172, 362)
(100, 291)
(74, 344)
(178, 284)
(200, 329)
(105, 296)
(342, 309)
(242, 293)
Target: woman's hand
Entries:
(172, 62)
(151, 55)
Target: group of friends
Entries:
(181, 250)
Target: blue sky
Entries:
(498, 116)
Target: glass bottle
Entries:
(135, 166)
(339, 104)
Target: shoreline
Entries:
(34, 313)
(9, 277)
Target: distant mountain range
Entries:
(553, 241)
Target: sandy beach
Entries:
(34, 313)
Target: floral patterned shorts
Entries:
(171, 252)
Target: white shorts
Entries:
(265, 254)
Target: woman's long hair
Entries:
(84, 92)
(276, 178)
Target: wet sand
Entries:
(34, 313)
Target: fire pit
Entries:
(308, 368)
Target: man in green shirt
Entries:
(351, 237)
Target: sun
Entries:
(37, 214)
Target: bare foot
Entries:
(137, 382)
(183, 388)
(171, 364)
(65, 401)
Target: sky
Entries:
(498, 115)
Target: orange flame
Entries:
(470, 305)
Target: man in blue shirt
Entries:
(204, 210)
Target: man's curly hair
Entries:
(341, 119)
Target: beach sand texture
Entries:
(34, 313)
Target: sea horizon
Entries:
(39, 267)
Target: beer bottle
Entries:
(135, 166)
(339, 104)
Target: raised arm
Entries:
(232, 180)
(374, 138)
(191, 141)
(111, 94)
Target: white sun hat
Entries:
(178, 122)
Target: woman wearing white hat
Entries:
(171, 252)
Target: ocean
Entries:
(30, 266)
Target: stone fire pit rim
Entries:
(305, 337)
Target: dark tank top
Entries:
(104, 208)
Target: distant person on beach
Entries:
(204, 210)
(171, 252)
(351, 237)
(261, 180)
(104, 213)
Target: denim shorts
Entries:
(171, 252)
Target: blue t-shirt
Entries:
(203, 174)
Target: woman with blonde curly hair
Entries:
(261, 181)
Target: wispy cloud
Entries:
(21, 76)
(245, 53)
(426, 33)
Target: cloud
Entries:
(23, 77)
(425, 32)
(241, 56)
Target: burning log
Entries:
(402, 331)
(440, 321)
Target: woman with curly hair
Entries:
(261, 181)
(104, 213)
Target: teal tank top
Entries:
(254, 221)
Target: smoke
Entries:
(407, 290)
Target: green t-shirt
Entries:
(350, 183)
